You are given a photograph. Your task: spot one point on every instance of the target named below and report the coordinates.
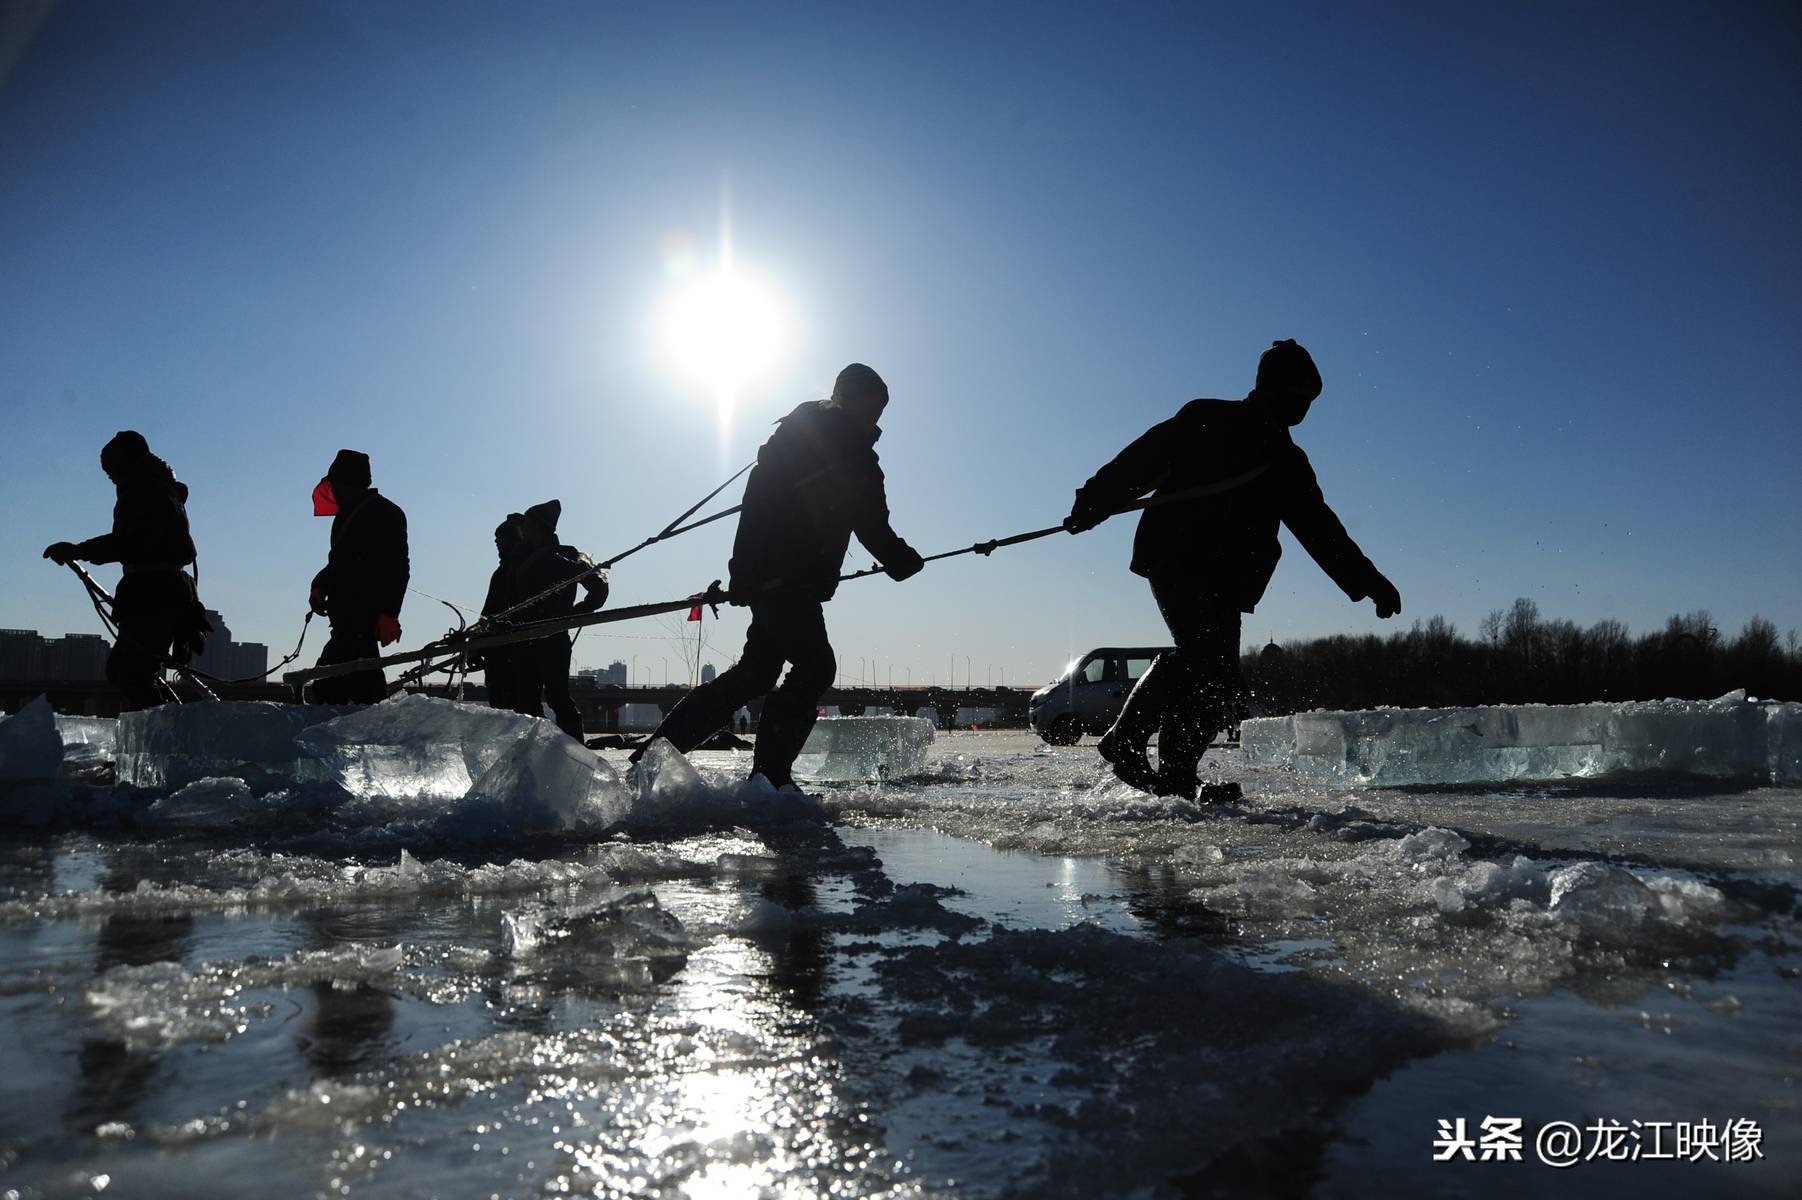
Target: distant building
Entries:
(708, 673)
(21, 654)
(613, 675)
(75, 658)
(225, 659)
(250, 660)
(27, 656)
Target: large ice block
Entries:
(173, 745)
(88, 741)
(547, 782)
(1730, 738)
(413, 747)
(33, 788)
(856, 749)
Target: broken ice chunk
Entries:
(33, 788)
(624, 923)
(1603, 900)
(413, 748)
(87, 741)
(173, 745)
(547, 782)
(857, 749)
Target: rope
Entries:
(989, 547)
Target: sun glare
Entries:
(724, 330)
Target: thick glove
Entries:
(906, 565)
(316, 599)
(1387, 599)
(387, 629)
(61, 553)
(1084, 515)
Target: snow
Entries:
(1730, 738)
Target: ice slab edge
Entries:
(1729, 738)
(847, 749)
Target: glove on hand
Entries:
(1084, 515)
(316, 600)
(907, 563)
(1387, 599)
(387, 629)
(60, 553)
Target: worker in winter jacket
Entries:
(1232, 474)
(363, 582)
(545, 582)
(501, 665)
(160, 619)
(817, 482)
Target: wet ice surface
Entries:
(1007, 975)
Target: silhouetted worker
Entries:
(549, 566)
(501, 664)
(363, 582)
(817, 481)
(159, 617)
(1209, 557)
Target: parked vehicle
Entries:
(1090, 693)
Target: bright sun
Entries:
(724, 330)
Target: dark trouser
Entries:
(352, 638)
(151, 609)
(1184, 696)
(541, 677)
(791, 631)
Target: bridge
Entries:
(600, 704)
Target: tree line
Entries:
(1520, 657)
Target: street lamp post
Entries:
(665, 670)
(632, 678)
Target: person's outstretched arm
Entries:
(1318, 528)
(1130, 474)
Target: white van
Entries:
(1090, 693)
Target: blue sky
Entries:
(1544, 254)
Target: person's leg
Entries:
(350, 640)
(708, 707)
(554, 674)
(146, 618)
(1123, 745)
(790, 711)
(1205, 684)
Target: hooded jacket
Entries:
(817, 481)
(1226, 543)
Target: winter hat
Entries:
(126, 447)
(546, 514)
(1286, 369)
(350, 469)
(857, 382)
